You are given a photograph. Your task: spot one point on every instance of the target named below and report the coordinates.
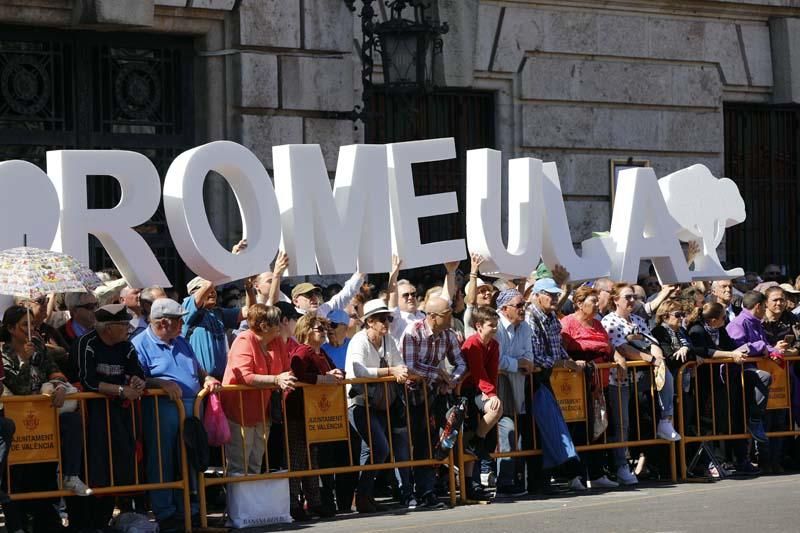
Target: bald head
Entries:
(437, 305)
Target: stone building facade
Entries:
(574, 81)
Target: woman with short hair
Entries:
(586, 340)
(310, 364)
(257, 358)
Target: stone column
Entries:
(785, 38)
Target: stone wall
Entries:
(591, 85)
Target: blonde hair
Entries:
(304, 326)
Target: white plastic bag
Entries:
(258, 503)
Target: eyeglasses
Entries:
(88, 307)
(407, 295)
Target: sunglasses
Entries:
(384, 318)
(629, 297)
(678, 314)
(321, 329)
(407, 295)
(520, 305)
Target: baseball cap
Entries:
(546, 285)
(304, 288)
(112, 313)
(166, 308)
(338, 316)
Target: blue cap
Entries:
(546, 285)
(338, 316)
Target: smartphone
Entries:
(789, 339)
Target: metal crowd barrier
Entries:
(350, 467)
(139, 485)
(634, 439)
(720, 398)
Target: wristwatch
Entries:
(120, 390)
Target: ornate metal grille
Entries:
(99, 91)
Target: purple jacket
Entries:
(747, 329)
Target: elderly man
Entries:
(549, 353)
(722, 293)
(169, 363)
(107, 364)
(604, 287)
(130, 298)
(425, 345)
(81, 307)
(205, 324)
(307, 297)
(403, 297)
(516, 364)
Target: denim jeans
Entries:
(378, 423)
(666, 396)
(165, 502)
(511, 470)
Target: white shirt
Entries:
(400, 321)
(363, 360)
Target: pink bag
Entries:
(216, 423)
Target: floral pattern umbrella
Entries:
(32, 273)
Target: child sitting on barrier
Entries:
(482, 353)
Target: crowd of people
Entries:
(495, 342)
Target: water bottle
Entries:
(446, 444)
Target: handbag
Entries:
(599, 409)
(216, 423)
(258, 503)
(379, 395)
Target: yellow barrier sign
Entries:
(570, 392)
(326, 413)
(779, 390)
(35, 440)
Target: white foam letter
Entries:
(524, 213)
(407, 208)
(138, 180)
(641, 227)
(188, 221)
(32, 208)
(335, 228)
(557, 247)
(704, 206)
